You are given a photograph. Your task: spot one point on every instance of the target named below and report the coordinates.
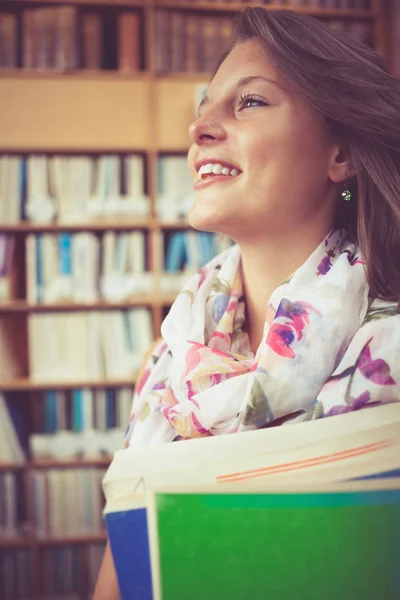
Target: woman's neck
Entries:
(264, 267)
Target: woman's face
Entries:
(268, 151)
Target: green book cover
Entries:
(311, 546)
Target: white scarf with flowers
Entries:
(324, 351)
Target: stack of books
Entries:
(310, 510)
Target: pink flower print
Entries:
(143, 379)
(376, 370)
(325, 265)
(355, 404)
(281, 335)
(280, 338)
(169, 398)
(193, 357)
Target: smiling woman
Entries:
(296, 156)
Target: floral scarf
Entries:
(325, 350)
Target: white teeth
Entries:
(216, 169)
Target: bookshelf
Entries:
(145, 111)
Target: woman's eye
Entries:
(250, 102)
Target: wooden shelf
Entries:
(84, 74)
(11, 467)
(82, 539)
(20, 306)
(42, 113)
(27, 385)
(21, 541)
(96, 226)
(76, 463)
(104, 225)
(16, 542)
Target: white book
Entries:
(142, 330)
(124, 407)
(354, 444)
(50, 267)
(40, 206)
(12, 200)
(85, 267)
(134, 169)
(96, 365)
(58, 499)
(30, 253)
(88, 408)
(100, 410)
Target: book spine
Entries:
(128, 25)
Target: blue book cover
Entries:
(39, 268)
(110, 409)
(176, 255)
(129, 542)
(65, 253)
(77, 410)
(19, 420)
(50, 412)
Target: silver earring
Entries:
(346, 194)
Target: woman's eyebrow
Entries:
(242, 82)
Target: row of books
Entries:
(83, 267)
(65, 38)
(83, 409)
(72, 189)
(63, 572)
(42, 188)
(189, 42)
(15, 574)
(88, 345)
(60, 513)
(225, 506)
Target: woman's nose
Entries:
(205, 129)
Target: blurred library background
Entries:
(95, 100)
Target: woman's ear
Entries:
(341, 166)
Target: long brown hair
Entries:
(348, 85)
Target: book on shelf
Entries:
(92, 41)
(8, 40)
(80, 424)
(59, 571)
(59, 513)
(240, 511)
(13, 433)
(69, 38)
(82, 267)
(80, 345)
(71, 189)
(129, 42)
(7, 266)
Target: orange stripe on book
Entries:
(303, 464)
